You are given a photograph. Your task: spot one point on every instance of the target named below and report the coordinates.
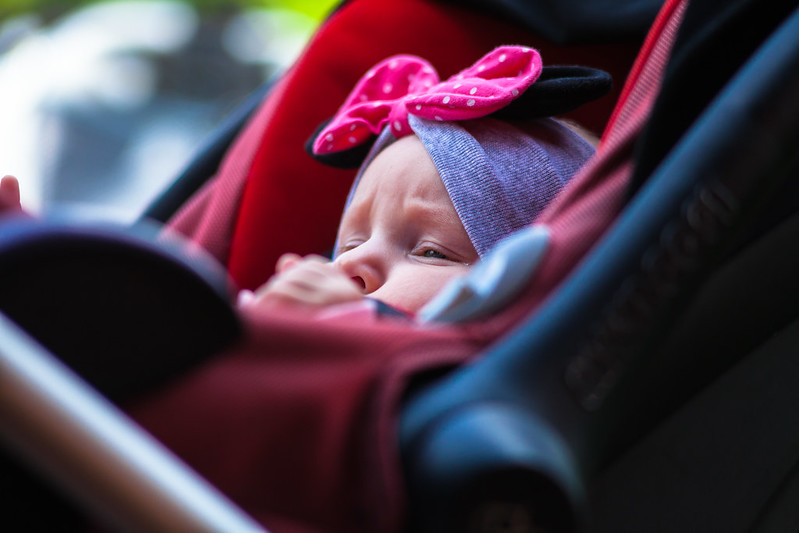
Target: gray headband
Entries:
(498, 177)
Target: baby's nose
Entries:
(363, 268)
(359, 281)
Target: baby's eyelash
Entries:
(436, 253)
(347, 247)
(432, 253)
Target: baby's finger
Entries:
(9, 191)
(316, 271)
(287, 294)
(287, 261)
(245, 297)
(315, 258)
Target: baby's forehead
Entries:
(402, 179)
(403, 166)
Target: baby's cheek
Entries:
(414, 288)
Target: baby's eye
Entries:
(347, 247)
(434, 254)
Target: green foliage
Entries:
(49, 9)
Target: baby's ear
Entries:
(345, 159)
(558, 90)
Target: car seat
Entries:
(603, 383)
(689, 395)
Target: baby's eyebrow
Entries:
(430, 213)
(354, 215)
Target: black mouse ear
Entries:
(345, 159)
(558, 90)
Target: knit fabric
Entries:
(499, 177)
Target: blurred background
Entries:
(102, 103)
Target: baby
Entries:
(443, 183)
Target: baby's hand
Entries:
(311, 281)
(9, 195)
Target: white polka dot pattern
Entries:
(407, 84)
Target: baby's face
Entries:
(401, 239)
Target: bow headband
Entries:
(405, 84)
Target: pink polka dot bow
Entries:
(408, 84)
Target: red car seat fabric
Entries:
(286, 201)
(207, 218)
(297, 423)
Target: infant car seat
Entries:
(618, 374)
(655, 390)
(265, 180)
